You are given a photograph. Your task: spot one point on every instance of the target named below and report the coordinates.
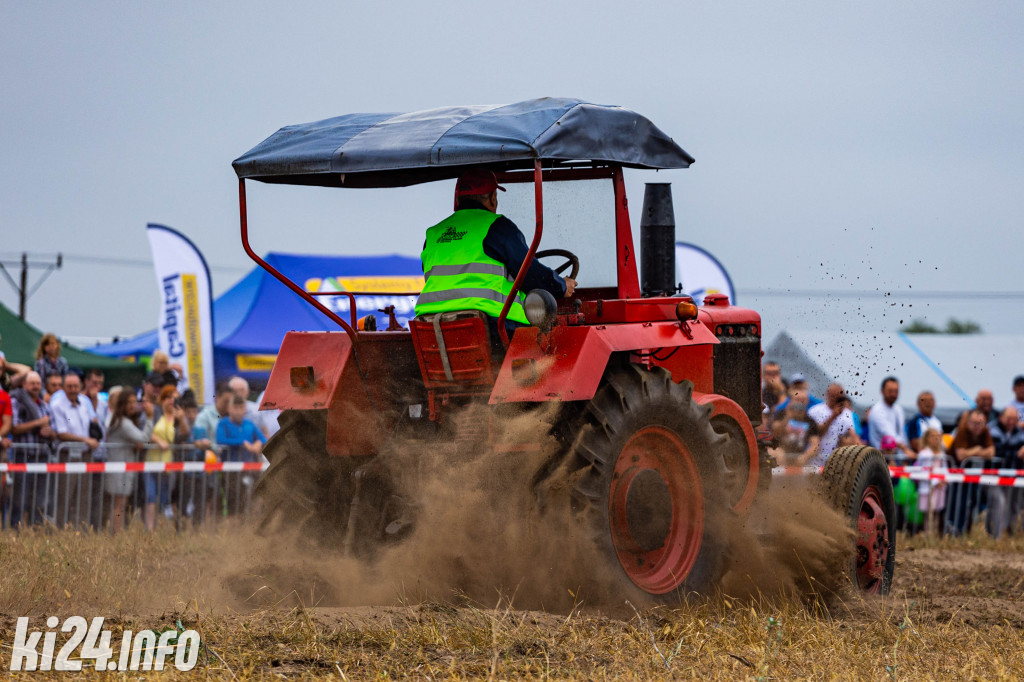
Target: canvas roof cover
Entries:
(392, 150)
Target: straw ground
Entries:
(956, 612)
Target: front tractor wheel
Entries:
(856, 483)
(649, 482)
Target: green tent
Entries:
(20, 340)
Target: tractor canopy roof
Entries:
(394, 150)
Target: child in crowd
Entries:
(931, 495)
(242, 442)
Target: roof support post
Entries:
(538, 200)
(280, 277)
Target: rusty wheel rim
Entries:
(872, 542)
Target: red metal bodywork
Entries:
(716, 312)
(362, 402)
(366, 380)
(568, 363)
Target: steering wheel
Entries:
(570, 259)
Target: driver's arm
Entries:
(505, 243)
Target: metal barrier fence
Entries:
(950, 500)
(67, 485)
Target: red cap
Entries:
(476, 182)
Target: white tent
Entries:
(952, 366)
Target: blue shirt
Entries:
(230, 433)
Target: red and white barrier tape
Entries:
(1003, 477)
(126, 467)
(1013, 478)
(911, 469)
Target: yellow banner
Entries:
(392, 284)
(193, 333)
(252, 362)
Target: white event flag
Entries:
(185, 325)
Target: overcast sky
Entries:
(849, 147)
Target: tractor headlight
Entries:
(540, 308)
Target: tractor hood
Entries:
(394, 150)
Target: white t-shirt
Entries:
(886, 421)
(73, 419)
(830, 438)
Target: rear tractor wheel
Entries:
(856, 483)
(308, 493)
(649, 482)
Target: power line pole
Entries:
(22, 288)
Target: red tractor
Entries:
(652, 399)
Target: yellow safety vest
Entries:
(459, 275)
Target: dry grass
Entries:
(139, 581)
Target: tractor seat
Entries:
(453, 349)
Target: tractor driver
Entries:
(471, 258)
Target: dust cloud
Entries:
(482, 537)
(793, 545)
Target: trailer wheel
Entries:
(649, 482)
(305, 492)
(856, 483)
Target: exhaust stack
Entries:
(658, 242)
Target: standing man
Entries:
(973, 440)
(150, 394)
(887, 419)
(6, 422)
(985, 403)
(922, 421)
(773, 388)
(1018, 398)
(1003, 501)
(71, 419)
(54, 387)
(91, 391)
(206, 423)
(211, 415)
(33, 434)
(835, 422)
(471, 258)
(797, 434)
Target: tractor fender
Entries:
(317, 371)
(723, 407)
(568, 362)
(307, 370)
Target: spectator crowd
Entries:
(805, 430)
(51, 412)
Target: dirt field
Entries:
(956, 611)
